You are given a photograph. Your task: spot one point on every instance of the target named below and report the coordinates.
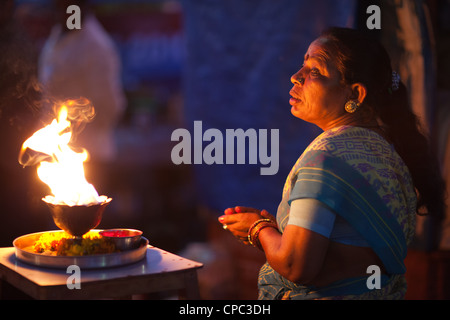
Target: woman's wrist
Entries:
(255, 229)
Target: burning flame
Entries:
(59, 165)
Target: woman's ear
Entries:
(359, 92)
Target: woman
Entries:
(349, 203)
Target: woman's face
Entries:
(318, 95)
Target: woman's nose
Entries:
(297, 79)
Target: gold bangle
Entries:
(255, 234)
(256, 223)
(253, 226)
(255, 229)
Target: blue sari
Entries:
(357, 174)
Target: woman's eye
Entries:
(315, 72)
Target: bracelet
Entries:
(255, 229)
(256, 223)
(254, 235)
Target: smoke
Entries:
(45, 143)
(20, 90)
(79, 112)
(24, 104)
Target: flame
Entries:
(58, 165)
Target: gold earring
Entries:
(351, 106)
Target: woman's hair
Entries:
(362, 59)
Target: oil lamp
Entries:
(77, 220)
(74, 203)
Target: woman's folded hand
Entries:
(239, 219)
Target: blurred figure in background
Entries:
(85, 63)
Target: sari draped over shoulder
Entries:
(360, 176)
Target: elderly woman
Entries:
(349, 203)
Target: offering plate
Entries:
(23, 251)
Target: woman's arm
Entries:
(297, 254)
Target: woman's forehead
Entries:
(318, 50)
(321, 51)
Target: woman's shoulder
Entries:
(348, 138)
(356, 145)
(361, 148)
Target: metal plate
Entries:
(94, 261)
